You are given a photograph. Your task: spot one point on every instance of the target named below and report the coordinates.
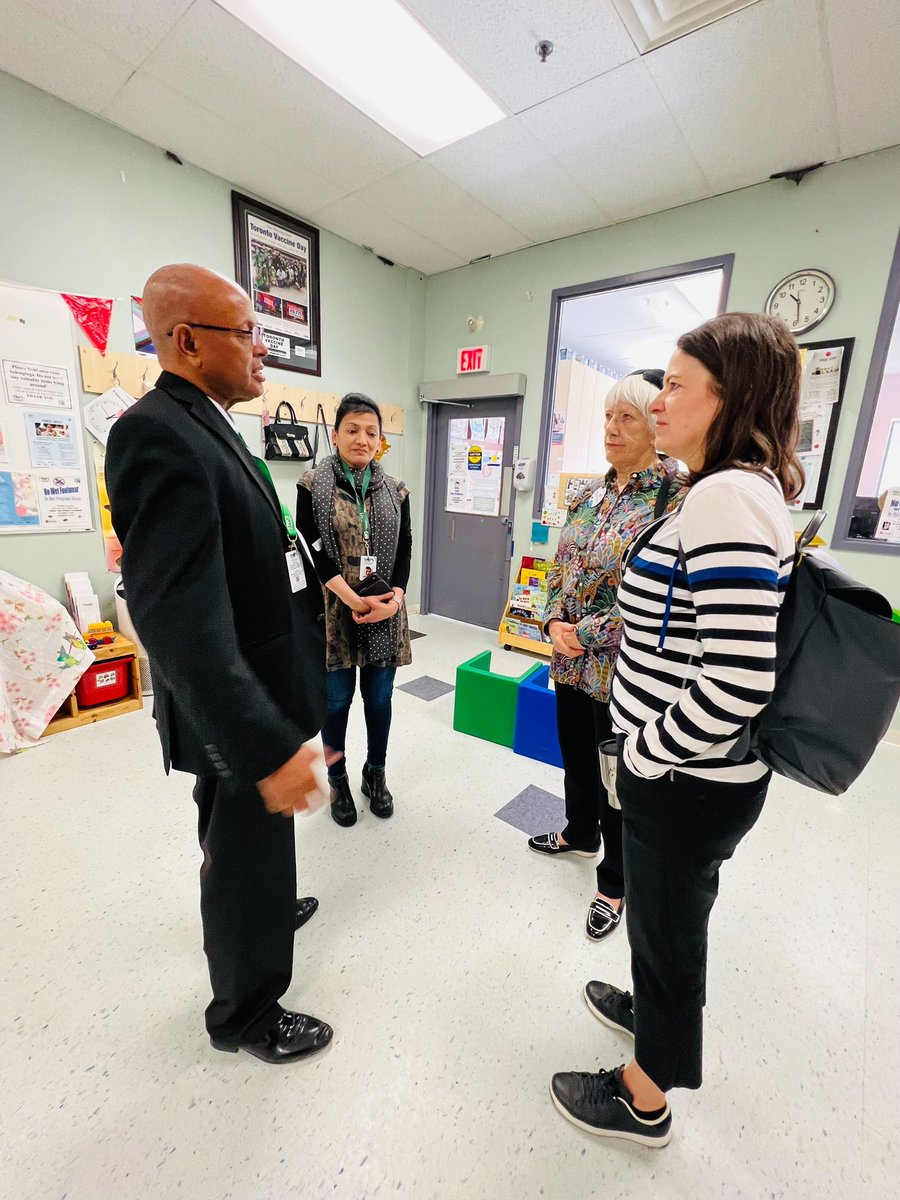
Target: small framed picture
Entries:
(276, 260)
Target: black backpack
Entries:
(837, 676)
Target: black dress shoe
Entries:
(381, 802)
(343, 810)
(293, 1036)
(305, 909)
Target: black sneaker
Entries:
(549, 843)
(609, 1005)
(602, 1104)
(602, 919)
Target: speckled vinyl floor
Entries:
(450, 961)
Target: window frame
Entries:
(722, 262)
(890, 317)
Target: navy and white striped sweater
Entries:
(698, 651)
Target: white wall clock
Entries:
(802, 299)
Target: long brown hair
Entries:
(755, 364)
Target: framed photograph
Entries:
(276, 259)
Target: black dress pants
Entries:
(248, 892)
(676, 834)
(582, 724)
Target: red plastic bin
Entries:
(104, 681)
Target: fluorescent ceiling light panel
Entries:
(377, 56)
(652, 23)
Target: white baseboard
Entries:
(412, 608)
(892, 736)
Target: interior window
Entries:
(599, 334)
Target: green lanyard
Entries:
(285, 511)
(360, 499)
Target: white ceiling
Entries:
(596, 135)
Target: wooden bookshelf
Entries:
(70, 716)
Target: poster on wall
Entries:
(43, 477)
(825, 366)
(475, 466)
(277, 262)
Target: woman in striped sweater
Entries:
(699, 601)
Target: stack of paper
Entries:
(82, 603)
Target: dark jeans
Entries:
(676, 835)
(376, 685)
(582, 724)
(248, 892)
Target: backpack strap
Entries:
(662, 498)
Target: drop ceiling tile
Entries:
(221, 64)
(495, 40)
(751, 93)
(864, 66)
(358, 222)
(121, 27)
(161, 115)
(35, 48)
(425, 200)
(508, 170)
(616, 137)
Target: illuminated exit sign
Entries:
(472, 359)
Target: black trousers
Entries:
(248, 892)
(676, 835)
(583, 724)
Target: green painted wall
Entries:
(87, 208)
(844, 218)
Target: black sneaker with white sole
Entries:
(602, 1104)
(549, 843)
(610, 1005)
(602, 919)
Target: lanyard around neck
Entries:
(360, 498)
(285, 511)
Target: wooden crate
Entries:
(70, 716)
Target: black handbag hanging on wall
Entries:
(287, 439)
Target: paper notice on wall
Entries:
(4, 455)
(812, 468)
(821, 382)
(813, 432)
(475, 466)
(18, 500)
(39, 384)
(888, 527)
(63, 499)
(457, 493)
(52, 439)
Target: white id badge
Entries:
(368, 566)
(296, 574)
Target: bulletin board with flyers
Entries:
(44, 482)
(825, 368)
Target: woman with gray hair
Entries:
(584, 624)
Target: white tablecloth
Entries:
(42, 657)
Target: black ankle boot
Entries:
(343, 810)
(374, 786)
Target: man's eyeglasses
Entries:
(255, 334)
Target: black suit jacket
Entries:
(237, 658)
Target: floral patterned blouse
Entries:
(587, 570)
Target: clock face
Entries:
(802, 300)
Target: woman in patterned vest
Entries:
(355, 519)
